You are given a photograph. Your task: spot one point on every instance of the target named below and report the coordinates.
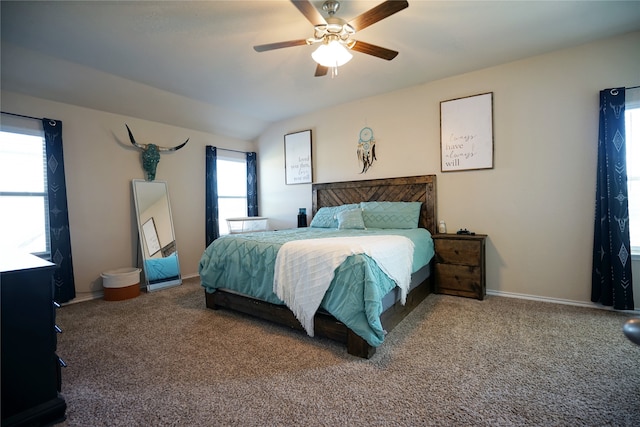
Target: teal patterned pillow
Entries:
(350, 219)
(391, 214)
(326, 217)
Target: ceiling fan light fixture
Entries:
(334, 34)
(332, 54)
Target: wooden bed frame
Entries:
(407, 189)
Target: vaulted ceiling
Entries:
(192, 63)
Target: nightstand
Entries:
(460, 265)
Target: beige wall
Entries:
(536, 205)
(100, 163)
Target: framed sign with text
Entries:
(297, 158)
(151, 236)
(466, 133)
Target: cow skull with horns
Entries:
(151, 154)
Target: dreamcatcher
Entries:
(366, 149)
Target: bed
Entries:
(330, 321)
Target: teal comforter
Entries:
(245, 263)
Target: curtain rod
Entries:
(235, 151)
(632, 87)
(21, 115)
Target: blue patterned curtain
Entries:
(611, 281)
(252, 185)
(65, 289)
(211, 197)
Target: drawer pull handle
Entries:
(56, 305)
(57, 328)
(62, 362)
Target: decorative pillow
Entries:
(326, 217)
(350, 219)
(391, 214)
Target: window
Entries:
(632, 125)
(232, 188)
(24, 217)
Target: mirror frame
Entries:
(159, 283)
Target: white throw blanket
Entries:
(304, 268)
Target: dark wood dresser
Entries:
(31, 377)
(460, 265)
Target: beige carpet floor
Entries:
(164, 359)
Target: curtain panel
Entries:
(252, 185)
(212, 231)
(611, 281)
(58, 212)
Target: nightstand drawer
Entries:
(457, 251)
(459, 280)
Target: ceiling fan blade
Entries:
(321, 70)
(371, 49)
(309, 11)
(378, 13)
(279, 45)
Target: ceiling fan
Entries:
(334, 34)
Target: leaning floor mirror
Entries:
(157, 240)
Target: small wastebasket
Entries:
(121, 284)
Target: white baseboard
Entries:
(636, 311)
(100, 294)
(85, 298)
(558, 301)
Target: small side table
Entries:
(460, 265)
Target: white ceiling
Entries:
(163, 60)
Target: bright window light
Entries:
(632, 127)
(23, 195)
(232, 191)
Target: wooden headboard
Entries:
(407, 189)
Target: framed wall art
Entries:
(151, 236)
(297, 158)
(466, 133)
